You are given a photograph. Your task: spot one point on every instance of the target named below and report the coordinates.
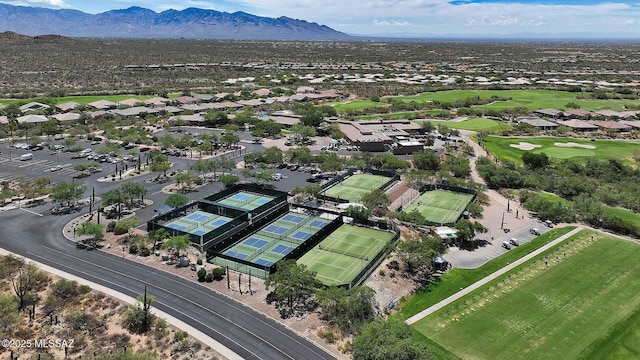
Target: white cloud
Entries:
(40, 3)
(376, 22)
(505, 20)
(630, 22)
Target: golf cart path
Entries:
(428, 311)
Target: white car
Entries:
(56, 168)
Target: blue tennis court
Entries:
(318, 224)
(301, 235)
(261, 201)
(218, 222)
(197, 217)
(241, 197)
(199, 232)
(263, 262)
(236, 254)
(293, 218)
(257, 243)
(282, 249)
(177, 227)
(276, 229)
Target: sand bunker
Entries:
(525, 146)
(572, 144)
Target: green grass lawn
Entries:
(530, 99)
(584, 297)
(475, 124)
(605, 149)
(400, 115)
(358, 105)
(455, 279)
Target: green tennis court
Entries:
(440, 206)
(342, 255)
(353, 187)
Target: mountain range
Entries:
(137, 22)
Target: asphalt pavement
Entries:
(36, 234)
(239, 328)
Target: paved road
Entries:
(241, 329)
(430, 310)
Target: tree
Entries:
(291, 286)
(139, 318)
(301, 132)
(426, 160)
(131, 191)
(359, 214)
(22, 286)
(272, 155)
(9, 315)
(158, 235)
(229, 179)
(300, 155)
(160, 163)
(176, 200)
(114, 197)
(427, 127)
(229, 139)
(349, 309)
(177, 244)
(65, 193)
(392, 339)
(417, 256)
(457, 165)
(377, 201)
(466, 230)
(184, 180)
(535, 161)
(96, 231)
(416, 179)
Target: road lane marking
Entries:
(228, 353)
(32, 212)
(157, 273)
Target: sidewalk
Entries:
(428, 311)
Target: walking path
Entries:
(428, 311)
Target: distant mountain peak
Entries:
(140, 22)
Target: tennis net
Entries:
(358, 256)
(191, 224)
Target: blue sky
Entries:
(414, 17)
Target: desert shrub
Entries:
(202, 273)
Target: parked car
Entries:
(549, 223)
(506, 245)
(294, 167)
(514, 242)
(277, 176)
(56, 168)
(534, 231)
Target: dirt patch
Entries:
(525, 146)
(572, 144)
